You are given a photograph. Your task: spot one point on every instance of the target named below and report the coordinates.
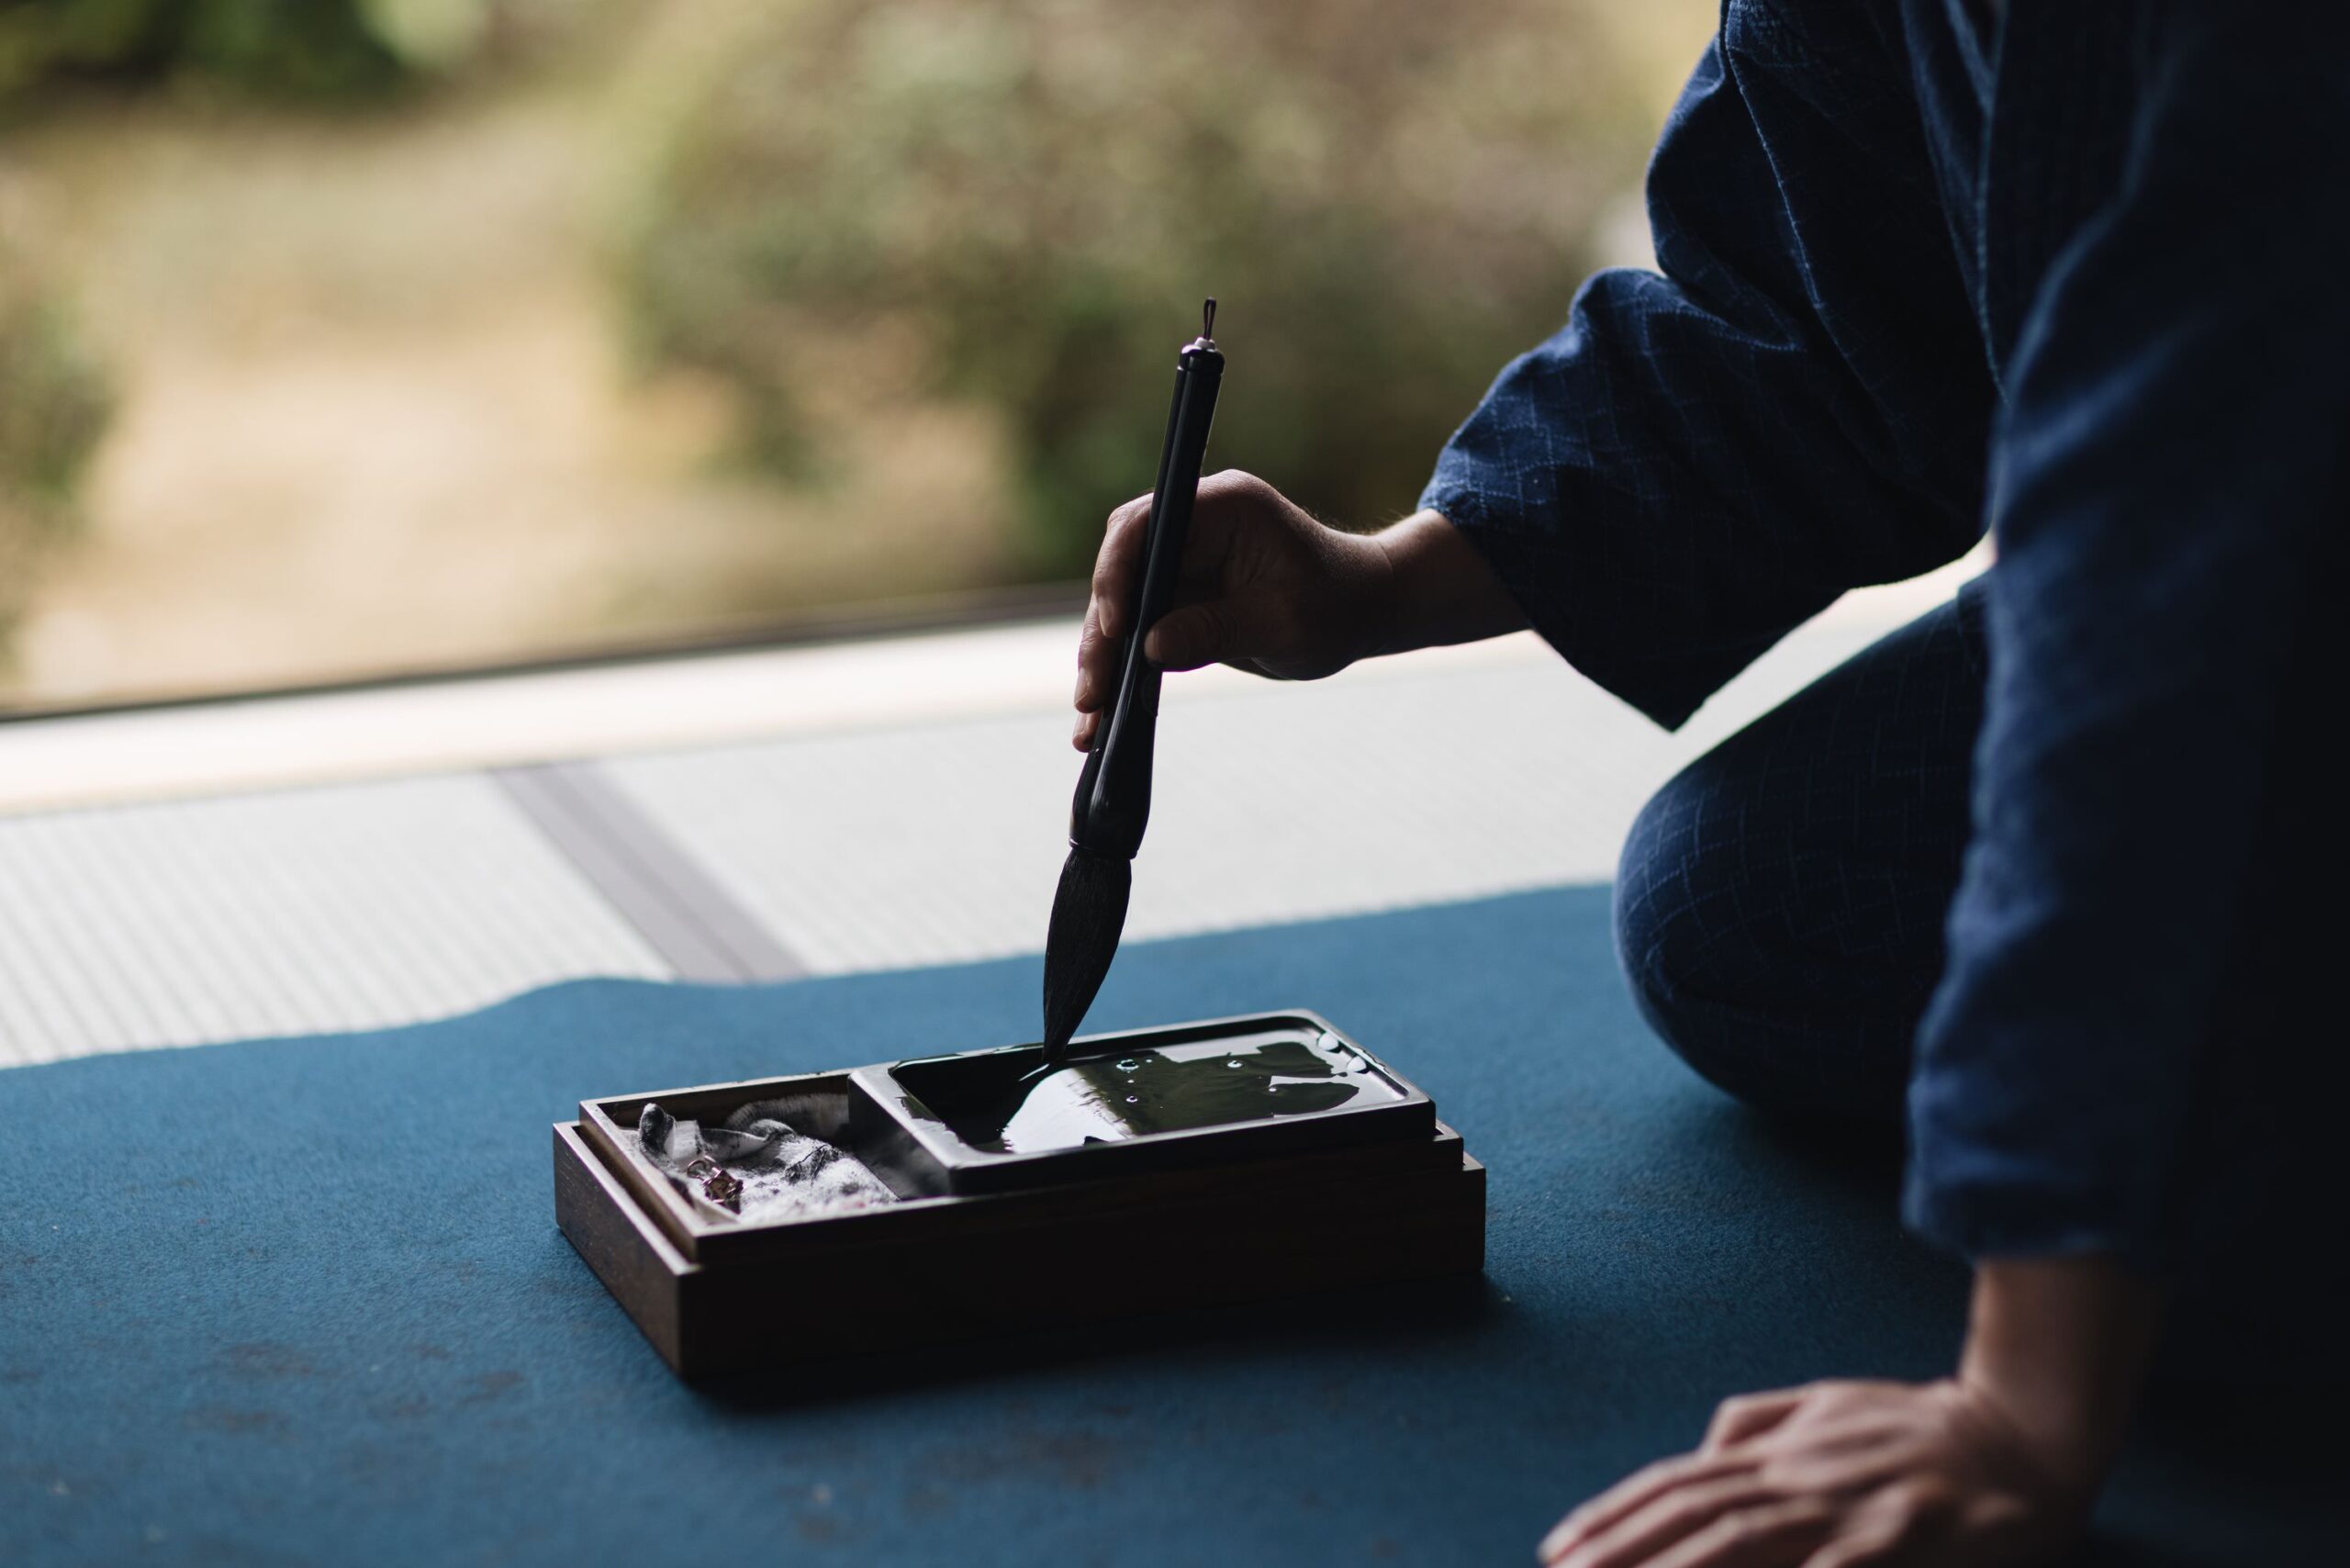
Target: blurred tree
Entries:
(303, 48)
(53, 407)
(1388, 197)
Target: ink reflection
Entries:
(1169, 1089)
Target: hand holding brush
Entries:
(1222, 570)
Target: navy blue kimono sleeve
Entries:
(2169, 500)
(1705, 456)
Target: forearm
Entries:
(1439, 589)
(2060, 1347)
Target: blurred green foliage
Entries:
(53, 407)
(299, 48)
(1389, 199)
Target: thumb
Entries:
(1216, 632)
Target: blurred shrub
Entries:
(53, 407)
(1388, 197)
(307, 49)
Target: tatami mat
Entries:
(286, 912)
(936, 845)
(852, 823)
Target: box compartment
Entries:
(924, 1096)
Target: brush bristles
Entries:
(1089, 915)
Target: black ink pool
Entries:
(1179, 1088)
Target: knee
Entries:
(1663, 879)
(1695, 940)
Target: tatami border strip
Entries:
(678, 908)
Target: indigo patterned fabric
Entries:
(2078, 274)
(1779, 909)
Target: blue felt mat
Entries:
(304, 1301)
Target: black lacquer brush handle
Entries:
(1112, 803)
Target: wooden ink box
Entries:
(1031, 1225)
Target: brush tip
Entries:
(1088, 914)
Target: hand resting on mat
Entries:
(1997, 1464)
(1268, 588)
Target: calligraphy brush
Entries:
(1112, 803)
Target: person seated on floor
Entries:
(2031, 878)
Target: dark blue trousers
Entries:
(1779, 916)
(1779, 908)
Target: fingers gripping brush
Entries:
(1112, 803)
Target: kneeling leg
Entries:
(1779, 903)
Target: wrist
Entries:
(1435, 588)
(1377, 611)
(2058, 1347)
